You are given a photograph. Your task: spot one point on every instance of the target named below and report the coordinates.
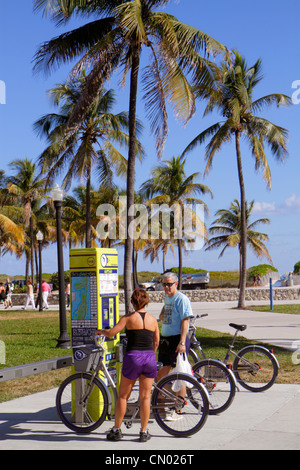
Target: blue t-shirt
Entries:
(177, 308)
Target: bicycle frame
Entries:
(98, 365)
(197, 345)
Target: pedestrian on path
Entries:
(8, 290)
(46, 291)
(30, 296)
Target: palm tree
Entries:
(152, 249)
(73, 215)
(227, 231)
(117, 37)
(26, 187)
(170, 185)
(12, 235)
(100, 127)
(232, 95)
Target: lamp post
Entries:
(63, 341)
(39, 237)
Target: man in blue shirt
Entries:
(175, 317)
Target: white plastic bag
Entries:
(182, 366)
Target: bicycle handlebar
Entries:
(99, 340)
(199, 316)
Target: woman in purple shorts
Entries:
(139, 361)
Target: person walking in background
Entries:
(139, 361)
(30, 296)
(2, 293)
(46, 291)
(68, 291)
(8, 290)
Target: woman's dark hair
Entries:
(139, 298)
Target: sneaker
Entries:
(145, 436)
(173, 416)
(114, 435)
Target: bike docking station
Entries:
(94, 305)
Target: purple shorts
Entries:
(136, 363)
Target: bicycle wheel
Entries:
(180, 413)
(218, 381)
(82, 406)
(255, 368)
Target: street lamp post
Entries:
(39, 237)
(63, 341)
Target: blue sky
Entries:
(266, 29)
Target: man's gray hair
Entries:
(170, 275)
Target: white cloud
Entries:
(293, 202)
(289, 206)
(264, 207)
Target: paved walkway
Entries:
(268, 420)
(254, 421)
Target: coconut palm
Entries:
(12, 235)
(152, 249)
(26, 188)
(121, 30)
(169, 185)
(231, 94)
(227, 231)
(100, 128)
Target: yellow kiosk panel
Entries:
(95, 301)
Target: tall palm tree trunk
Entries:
(179, 263)
(164, 259)
(31, 248)
(88, 237)
(131, 175)
(27, 267)
(134, 268)
(243, 269)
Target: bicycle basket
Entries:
(84, 358)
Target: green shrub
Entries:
(186, 270)
(261, 270)
(297, 268)
(54, 279)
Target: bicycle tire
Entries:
(82, 418)
(218, 381)
(180, 417)
(255, 368)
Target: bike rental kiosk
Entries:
(94, 304)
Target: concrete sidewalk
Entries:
(254, 421)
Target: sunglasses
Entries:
(168, 284)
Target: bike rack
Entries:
(25, 370)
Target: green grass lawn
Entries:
(285, 308)
(31, 337)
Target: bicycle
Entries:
(218, 380)
(84, 400)
(255, 367)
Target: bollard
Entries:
(271, 294)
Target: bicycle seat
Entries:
(238, 327)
